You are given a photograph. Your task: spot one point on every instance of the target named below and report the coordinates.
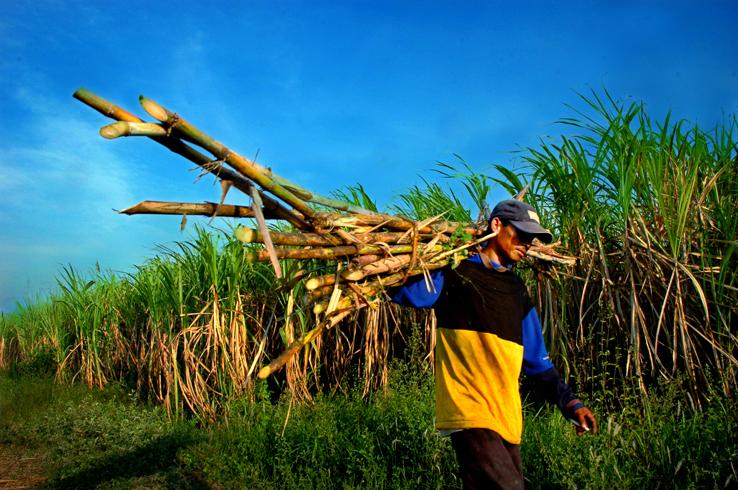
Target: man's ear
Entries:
(495, 225)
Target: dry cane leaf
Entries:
(257, 204)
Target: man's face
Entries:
(510, 244)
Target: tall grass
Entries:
(184, 328)
(189, 328)
(649, 208)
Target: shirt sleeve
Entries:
(538, 366)
(535, 356)
(416, 292)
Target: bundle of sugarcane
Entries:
(372, 251)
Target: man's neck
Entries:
(492, 260)
(490, 252)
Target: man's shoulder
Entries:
(473, 268)
(472, 280)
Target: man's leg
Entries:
(486, 460)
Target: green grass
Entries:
(338, 441)
(110, 439)
(91, 438)
(665, 447)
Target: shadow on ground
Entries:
(158, 459)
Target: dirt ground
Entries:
(20, 468)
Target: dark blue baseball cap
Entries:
(523, 217)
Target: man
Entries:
(488, 329)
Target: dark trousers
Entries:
(486, 460)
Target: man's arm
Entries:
(538, 366)
(416, 293)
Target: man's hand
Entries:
(585, 421)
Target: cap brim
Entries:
(533, 228)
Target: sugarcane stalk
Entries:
(111, 110)
(159, 112)
(343, 304)
(322, 200)
(250, 169)
(396, 223)
(320, 281)
(194, 209)
(324, 283)
(372, 287)
(546, 254)
(362, 260)
(397, 278)
(123, 128)
(329, 253)
(317, 293)
(349, 297)
(448, 253)
(162, 114)
(249, 235)
(358, 293)
(330, 279)
(379, 267)
(104, 107)
(298, 344)
(177, 146)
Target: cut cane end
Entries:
(264, 372)
(350, 275)
(245, 235)
(153, 109)
(113, 130)
(313, 283)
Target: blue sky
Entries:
(328, 93)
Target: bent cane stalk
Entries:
(298, 344)
(177, 146)
(198, 137)
(250, 169)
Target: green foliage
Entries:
(477, 185)
(663, 444)
(34, 331)
(337, 442)
(108, 438)
(86, 439)
(102, 327)
(357, 195)
(431, 200)
(649, 209)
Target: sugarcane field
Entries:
(287, 264)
